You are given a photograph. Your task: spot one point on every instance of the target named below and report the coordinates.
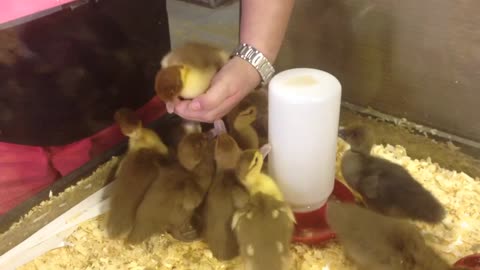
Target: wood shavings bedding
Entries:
(456, 237)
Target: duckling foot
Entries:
(185, 233)
(218, 128)
(265, 150)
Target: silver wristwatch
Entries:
(257, 60)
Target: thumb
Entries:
(213, 98)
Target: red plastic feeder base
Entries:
(312, 227)
(471, 262)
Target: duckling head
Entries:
(127, 120)
(139, 137)
(249, 163)
(191, 127)
(358, 137)
(227, 152)
(192, 149)
(245, 117)
(169, 82)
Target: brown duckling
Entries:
(240, 122)
(135, 173)
(377, 242)
(265, 226)
(225, 196)
(196, 154)
(168, 205)
(173, 132)
(259, 99)
(385, 187)
(173, 200)
(187, 71)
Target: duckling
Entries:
(187, 71)
(377, 242)
(264, 230)
(196, 154)
(265, 226)
(168, 206)
(173, 131)
(199, 54)
(225, 196)
(249, 171)
(135, 173)
(259, 99)
(173, 199)
(385, 187)
(240, 122)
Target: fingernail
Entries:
(195, 105)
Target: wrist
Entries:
(267, 50)
(257, 60)
(249, 71)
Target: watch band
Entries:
(257, 60)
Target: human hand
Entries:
(228, 87)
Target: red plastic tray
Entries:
(471, 262)
(312, 227)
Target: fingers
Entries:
(213, 98)
(207, 116)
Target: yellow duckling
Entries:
(140, 138)
(135, 173)
(187, 71)
(249, 171)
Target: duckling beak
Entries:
(265, 150)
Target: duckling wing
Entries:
(153, 213)
(133, 177)
(369, 239)
(399, 194)
(219, 210)
(161, 205)
(264, 233)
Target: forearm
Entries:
(263, 24)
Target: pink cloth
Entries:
(25, 170)
(15, 9)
